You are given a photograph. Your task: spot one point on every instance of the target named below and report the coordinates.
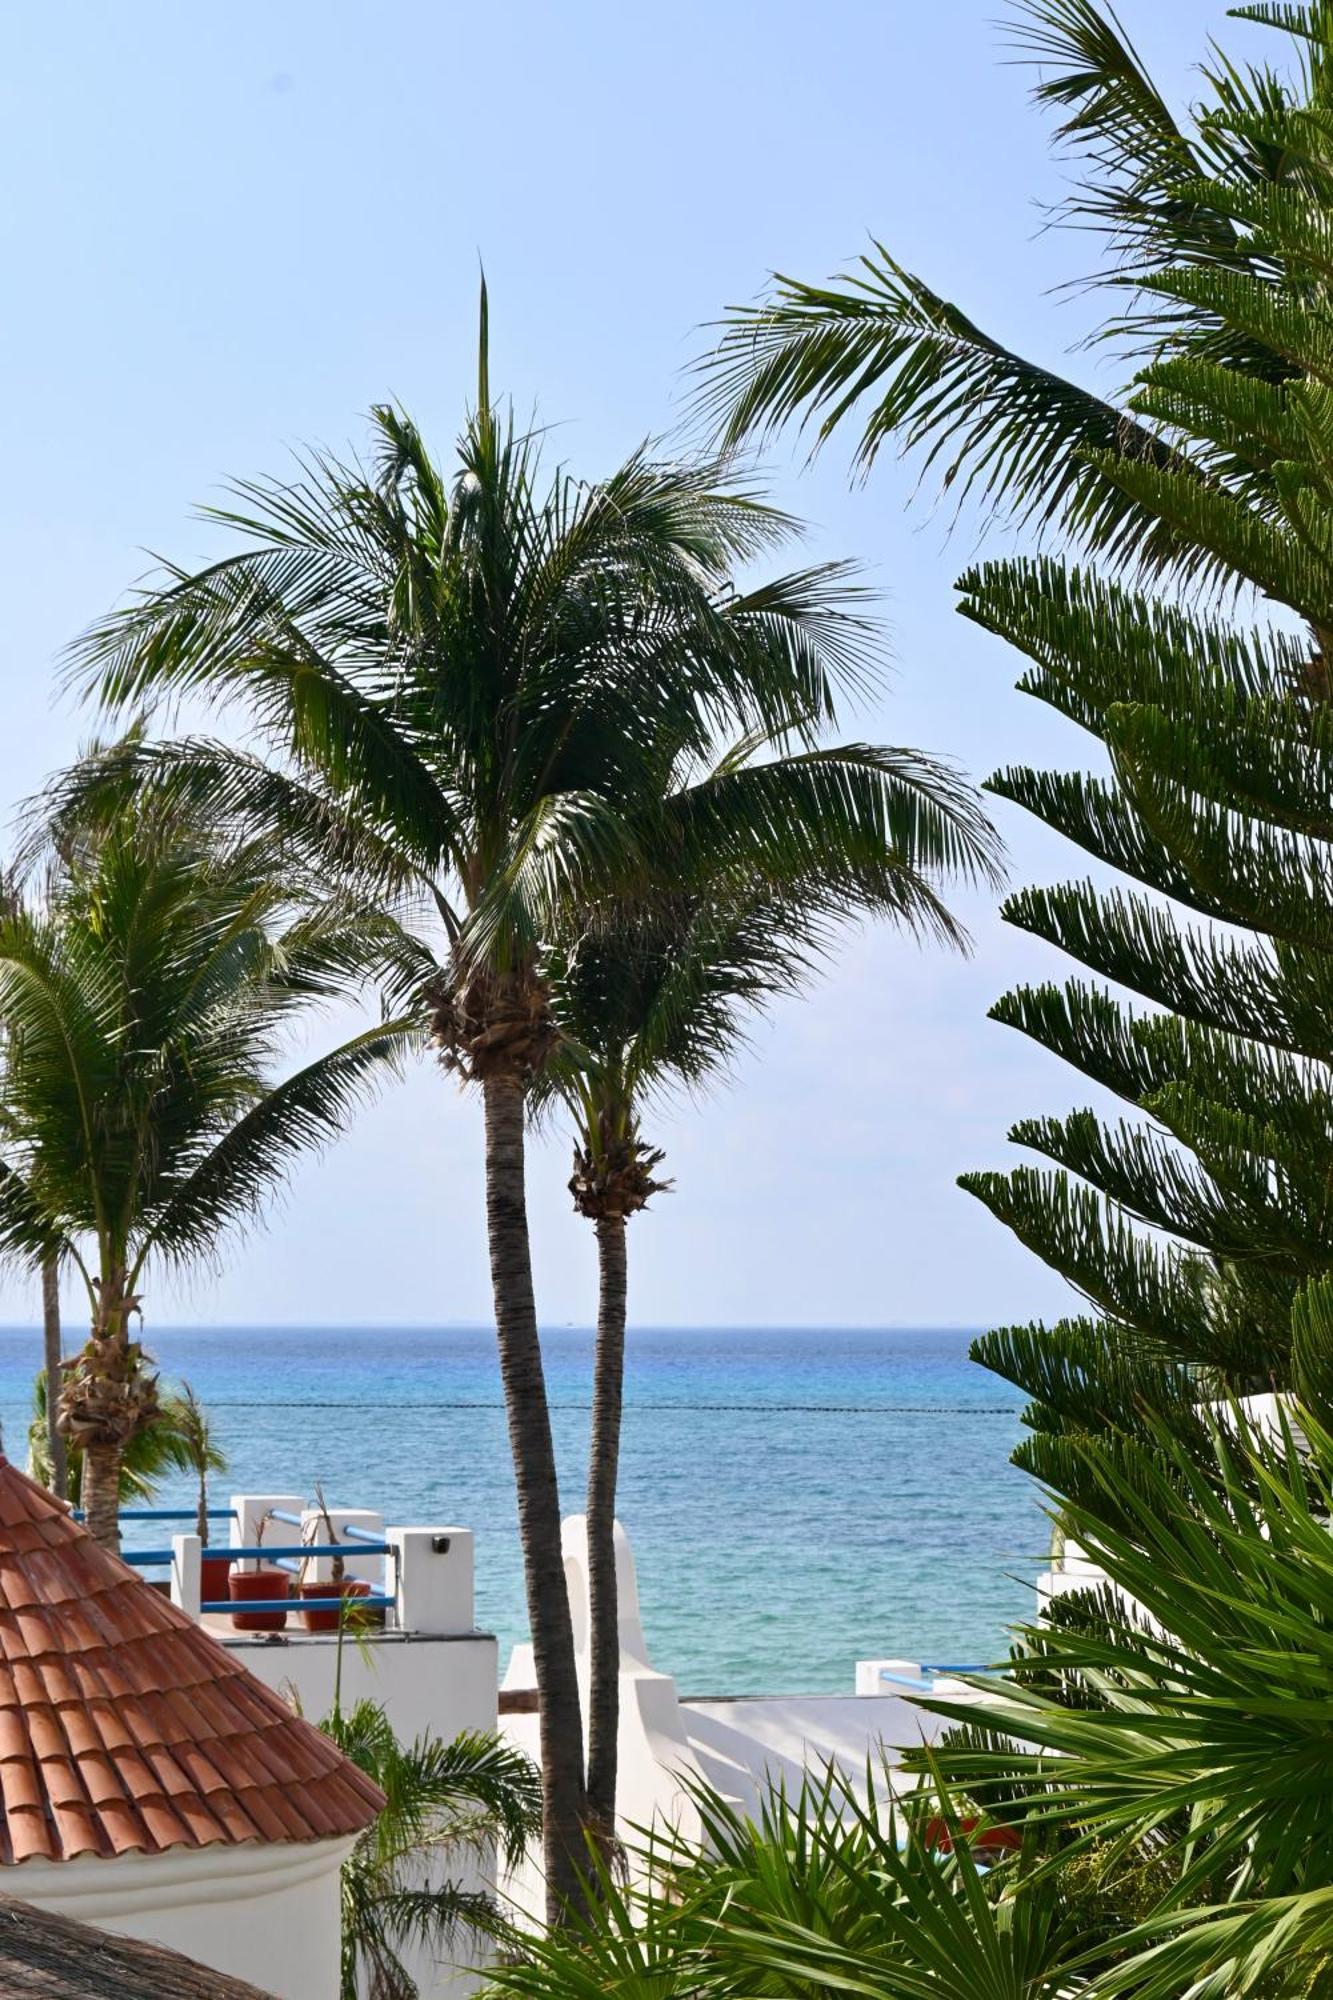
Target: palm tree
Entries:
(1161, 1771)
(195, 1449)
(1203, 1731)
(52, 1357)
(163, 1446)
(53, 1454)
(465, 678)
(444, 1802)
(145, 1002)
(653, 991)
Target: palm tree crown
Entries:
(147, 998)
(467, 680)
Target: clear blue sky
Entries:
(228, 229)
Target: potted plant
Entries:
(199, 1453)
(325, 1616)
(265, 1580)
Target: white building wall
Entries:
(440, 1684)
(265, 1913)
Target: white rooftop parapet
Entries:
(187, 1553)
(435, 1580)
(910, 1677)
(365, 1522)
(252, 1521)
(657, 1762)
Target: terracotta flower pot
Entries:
(258, 1584)
(988, 1845)
(321, 1603)
(214, 1578)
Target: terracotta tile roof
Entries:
(125, 1727)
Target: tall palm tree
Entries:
(653, 992)
(446, 1803)
(464, 677)
(52, 1359)
(54, 1456)
(145, 1001)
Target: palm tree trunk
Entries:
(55, 1440)
(563, 1801)
(603, 1468)
(100, 1496)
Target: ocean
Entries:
(796, 1499)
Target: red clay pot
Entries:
(258, 1583)
(328, 1597)
(987, 1845)
(214, 1577)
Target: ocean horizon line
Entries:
(546, 1326)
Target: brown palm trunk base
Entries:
(603, 1469)
(564, 1812)
(100, 1496)
(55, 1442)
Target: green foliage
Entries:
(1198, 1752)
(1166, 1741)
(1164, 1748)
(444, 1803)
(169, 1443)
(1192, 1225)
(823, 1894)
(751, 867)
(151, 979)
(148, 1002)
(479, 682)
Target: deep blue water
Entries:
(796, 1499)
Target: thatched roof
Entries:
(53, 1958)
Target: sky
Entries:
(227, 230)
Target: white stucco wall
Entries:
(265, 1913)
(440, 1684)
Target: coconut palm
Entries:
(446, 1803)
(53, 1454)
(168, 1444)
(146, 999)
(57, 1458)
(653, 992)
(194, 1448)
(464, 677)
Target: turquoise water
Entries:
(797, 1499)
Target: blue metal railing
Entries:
(350, 1531)
(295, 1605)
(353, 1601)
(297, 1552)
(925, 1673)
(355, 1534)
(167, 1513)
